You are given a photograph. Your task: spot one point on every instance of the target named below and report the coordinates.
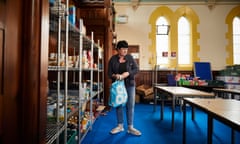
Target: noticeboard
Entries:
(203, 70)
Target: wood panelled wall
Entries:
(148, 77)
(24, 60)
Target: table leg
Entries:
(233, 136)
(225, 95)
(210, 129)
(219, 94)
(162, 108)
(184, 122)
(173, 110)
(193, 113)
(155, 99)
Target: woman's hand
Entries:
(117, 76)
(120, 76)
(125, 75)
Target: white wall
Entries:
(212, 29)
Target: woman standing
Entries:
(122, 66)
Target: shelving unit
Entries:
(75, 79)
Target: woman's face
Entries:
(123, 51)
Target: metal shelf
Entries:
(53, 131)
(70, 36)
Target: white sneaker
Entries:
(116, 130)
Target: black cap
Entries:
(122, 44)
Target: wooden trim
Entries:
(44, 43)
(1, 59)
(23, 103)
(12, 116)
(34, 70)
(1, 81)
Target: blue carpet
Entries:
(156, 131)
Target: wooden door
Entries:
(134, 51)
(9, 71)
(23, 71)
(1, 80)
(1, 67)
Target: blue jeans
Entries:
(129, 107)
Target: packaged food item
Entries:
(72, 14)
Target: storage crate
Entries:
(144, 90)
(72, 137)
(229, 79)
(233, 86)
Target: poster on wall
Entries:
(203, 70)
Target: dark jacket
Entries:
(132, 68)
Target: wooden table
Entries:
(206, 88)
(220, 91)
(178, 92)
(223, 110)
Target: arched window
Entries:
(236, 40)
(162, 43)
(233, 36)
(180, 43)
(184, 50)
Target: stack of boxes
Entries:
(231, 76)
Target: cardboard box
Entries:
(149, 97)
(144, 90)
(137, 98)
